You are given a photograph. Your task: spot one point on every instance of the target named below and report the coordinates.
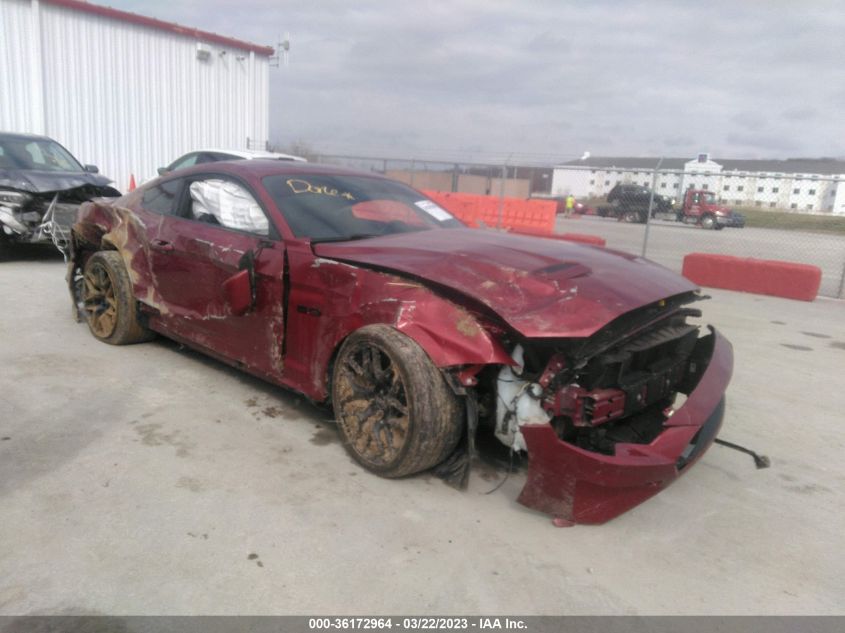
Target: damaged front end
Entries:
(40, 217)
(610, 420)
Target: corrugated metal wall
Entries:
(19, 86)
(126, 97)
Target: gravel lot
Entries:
(151, 480)
(668, 242)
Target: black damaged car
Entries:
(41, 188)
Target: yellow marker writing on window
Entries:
(303, 186)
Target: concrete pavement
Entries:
(151, 480)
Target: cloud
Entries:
(546, 78)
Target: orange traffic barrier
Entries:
(492, 211)
(758, 276)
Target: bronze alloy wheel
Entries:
(394, 410)
(109, 306)
(99, 300)
(374, 406)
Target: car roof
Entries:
(260, 168)
(19, 136)
(251, 154)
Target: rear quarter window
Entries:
(163, 198)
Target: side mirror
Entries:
(91, 169)
(239, 289)
(162, 171)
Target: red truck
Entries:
(702, 207)
(698, 206)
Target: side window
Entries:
(35, 154)
(163, 198)
(228, 204)
(206, 157)
(215, 156)
(189, 161)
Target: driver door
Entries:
(198, 250)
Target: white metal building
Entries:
(126, 92)
(800, 185)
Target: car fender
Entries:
(108, 226)
(345, 298)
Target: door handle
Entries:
(162, 245)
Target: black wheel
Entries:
(396, 414)
(5, 246)
(631, 216)
(708, 222)
(110, 308)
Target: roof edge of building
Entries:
(832, 166)
(155, 23)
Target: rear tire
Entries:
(396, 414)
(109, 306)
(632, 216)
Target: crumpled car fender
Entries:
(449, 333)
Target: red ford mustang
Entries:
(361, 293)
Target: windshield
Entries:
(709, 198)
(35, 154)
(338, 207)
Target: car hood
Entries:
(36, 181)
(540, 287)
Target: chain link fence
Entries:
(663, 214)
(787, 217)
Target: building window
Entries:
(593, 181)
(796, 191)
(793, 206)
(772, 204)
(606, 182)
(727, 188)
(663, 185)
(812, 192)
(737, 201)
(676, 185)
(759, 190)
(704, 186)
(740, 188)
(758, 203)
(809, 207)
(775, 189)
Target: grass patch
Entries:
(793, 221)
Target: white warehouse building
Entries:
(798, 185)
(126, 92)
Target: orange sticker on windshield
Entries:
(303, 186)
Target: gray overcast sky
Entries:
(481, 79)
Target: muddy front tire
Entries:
(110, 308)
(396, 414)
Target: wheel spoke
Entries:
(397, 405)
(375, 364)
(352, 364)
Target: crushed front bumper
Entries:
(580, 486)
